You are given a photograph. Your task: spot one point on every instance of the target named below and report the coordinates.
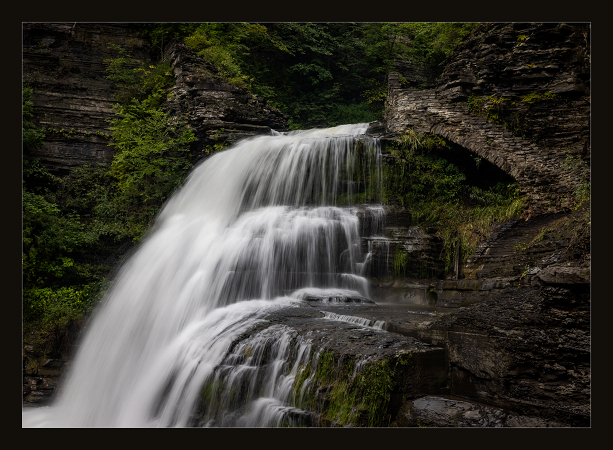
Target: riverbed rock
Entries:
(565, 274)
(438, 411)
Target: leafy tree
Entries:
(147, 161)
(74, 226)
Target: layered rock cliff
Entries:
(517, 95)
(220, 114)
(517, 333)
(64, 64)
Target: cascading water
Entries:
(255, 228)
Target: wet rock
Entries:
(504, 349)
(314, 295)
(565, 274)
(435, 411)
(403, 252)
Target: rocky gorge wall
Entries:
(534, 84)
(517, 328)
(219, 113)
(64, 65)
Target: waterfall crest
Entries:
(250, 230)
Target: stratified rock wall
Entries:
(537, 78)
(64, 64)
(219, 113)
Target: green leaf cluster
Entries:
(135, 79)
(148, 142)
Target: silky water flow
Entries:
(257, 227)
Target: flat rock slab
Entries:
(349, 338)
(439, 411)
(398, 319)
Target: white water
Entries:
(367, 323)
(250, 226)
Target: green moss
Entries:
(533, 97)
(489, 107)
(581, 171)
(343, 398)
(400, 262)
(522, 247)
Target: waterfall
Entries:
(255, 228)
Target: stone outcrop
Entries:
(219, 113)
(405, 252)
(433, 411)
(515, 66)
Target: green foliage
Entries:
(470, 224)
(57, 306)
(488, 106)
(149, 161)
(320, 74)
(148, 142)
(437, 194)
(356, 113)
(418, 176)
(76, 226)
(400, 263)
(31, 135)
(433, 43)
(135, 79)
(225, 45)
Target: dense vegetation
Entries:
(452, 192)
(76, 227)
(321, 74)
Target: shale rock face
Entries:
(405, 252)
(64, 64)
(517, 329)
(534, 81)
(219, 113)
(525, 350)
